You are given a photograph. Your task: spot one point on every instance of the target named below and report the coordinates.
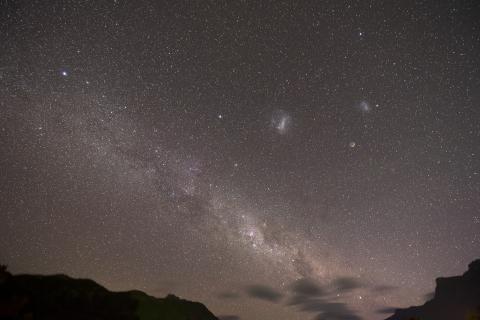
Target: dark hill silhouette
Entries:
(61, 297)
(456, 298)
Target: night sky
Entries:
(271, 159)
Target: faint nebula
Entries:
(280, 121)
(363, 106)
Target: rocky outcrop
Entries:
(456, 298)
(61, 297)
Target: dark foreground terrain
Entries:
(61, 297)
(456, 298)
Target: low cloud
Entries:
(264, 293)
(330, 310)
(343, 284)
(309, 296)
(307, 287)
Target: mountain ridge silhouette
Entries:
(62, 297)
(455, 298)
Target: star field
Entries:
(272, 159)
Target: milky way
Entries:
(273, 160)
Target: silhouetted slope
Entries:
(61, 297)
(456, 298)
